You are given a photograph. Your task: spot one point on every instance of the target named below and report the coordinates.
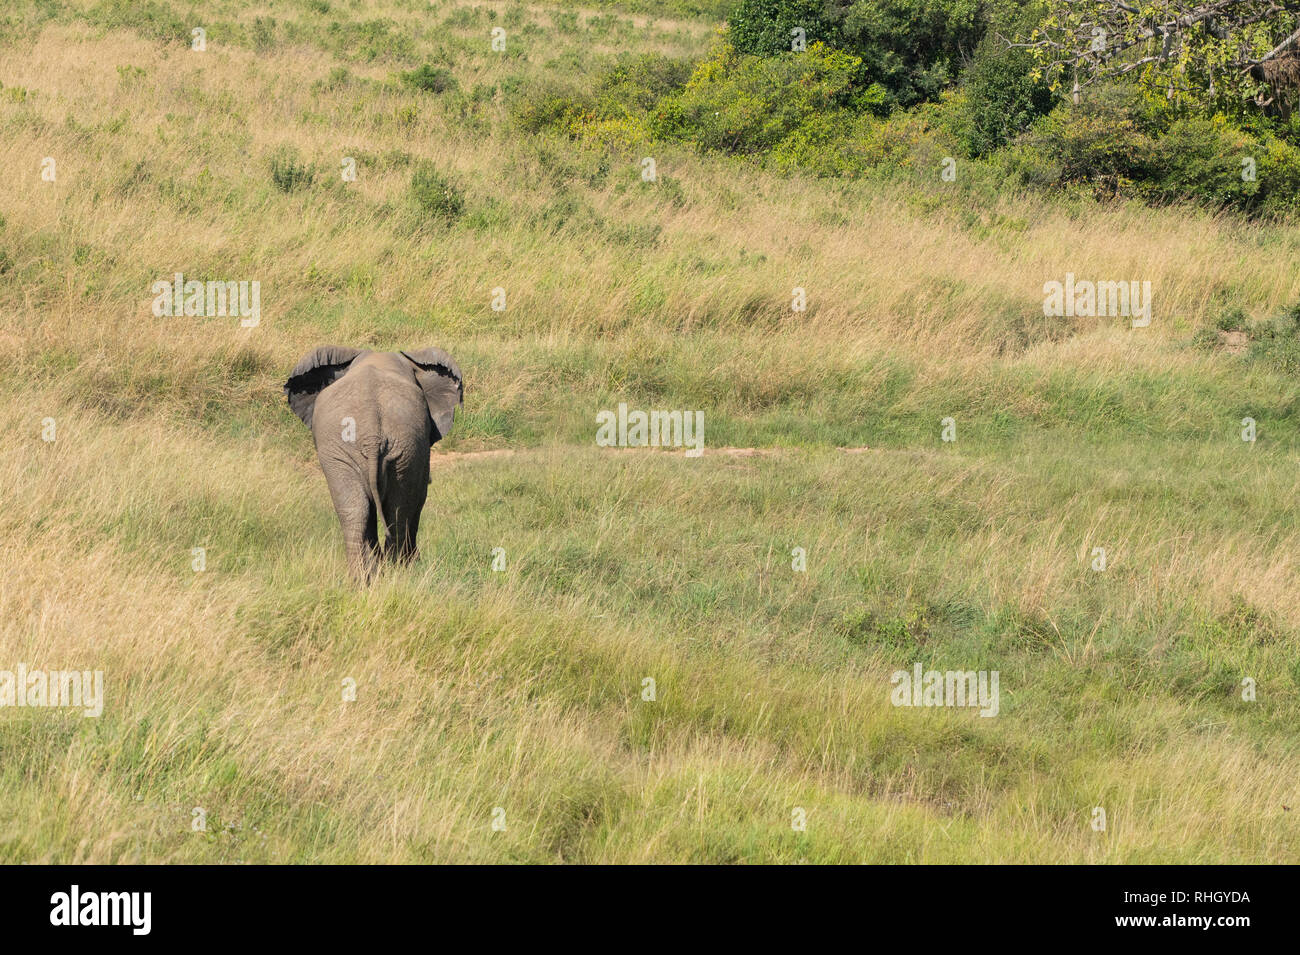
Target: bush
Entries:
(1278, 173)
(1212, 162)
(429, 79)
(289, 171)
(1002, 100)
(1103, 142)
(636, 83)
(913, 48)
(1200, 159)
(912, 142)
(1231, 319)
(434, 195)
(546, 105)
(833, 143)
(1119, 142)
(764, 27)
(746, 104)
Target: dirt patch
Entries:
(1234, 343)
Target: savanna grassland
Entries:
(522, 689)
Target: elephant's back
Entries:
(345, 398)
(381, 396)
(402, 407)
(347, 421)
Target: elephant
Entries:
(374, 416)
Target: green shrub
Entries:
(434, 195)
(546, 105)
(1231, 319)
(1120, 142)
(429, 79)
(1102, 142)
(1200, 159)
(911, 142)
(1278, 174)
(746, 104)
(289, 171)
(764, 27)
(831, 143)
(1002, 99)
(913, 48)
(635, 84)
(616, 113)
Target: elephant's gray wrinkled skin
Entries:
(374, 416)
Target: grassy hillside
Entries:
(521, 690)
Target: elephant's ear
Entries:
(440, 380)
(313, 374)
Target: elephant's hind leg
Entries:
(357, 519)
(361, 541)
(405, 487)
(401, 525)
(408, 530)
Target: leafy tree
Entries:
(765, 27)
(1003, 97)
(912, 49)
(1214, 53)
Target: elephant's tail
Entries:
(376, 466)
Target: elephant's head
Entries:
(432, 370)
